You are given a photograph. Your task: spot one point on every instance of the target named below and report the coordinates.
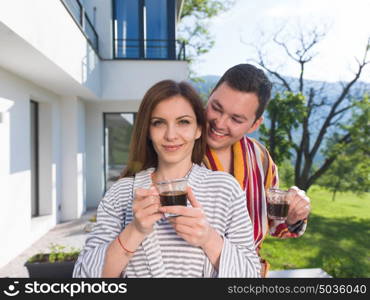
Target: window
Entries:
(144, 29)
(127, 28)
(34, 138)
(117, 135)
(155, 29)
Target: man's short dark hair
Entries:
(248, 78)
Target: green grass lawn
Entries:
(337, 238)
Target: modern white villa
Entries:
(72, 75)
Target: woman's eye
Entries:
(157, 122)
(184, 122)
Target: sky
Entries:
(346, 23)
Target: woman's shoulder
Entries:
(118, 196)
(120, 187)
(123, 182)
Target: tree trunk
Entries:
(336, 189)
(334, 193)
(272, 136)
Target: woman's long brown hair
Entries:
(142, 154)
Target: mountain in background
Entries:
(206, 85)
(331, 90)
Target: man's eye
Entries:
(236, 121)
(216, 109)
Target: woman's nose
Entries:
(171, 133)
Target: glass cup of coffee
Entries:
(173, 192)
(277, 204)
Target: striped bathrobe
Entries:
(256, 172)
(163, 253)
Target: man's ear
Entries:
(255, 125)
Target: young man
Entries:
(234, 109)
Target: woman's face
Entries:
(173, 131)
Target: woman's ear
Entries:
(198, 134)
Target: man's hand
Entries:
(299, 207)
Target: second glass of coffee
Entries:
(277, 204)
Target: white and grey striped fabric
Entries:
(163, 253)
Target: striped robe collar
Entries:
(249, 172)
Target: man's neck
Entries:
(225, 157)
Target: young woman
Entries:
(211, 237)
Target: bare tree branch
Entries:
(327, 163)
(261, 62)
(340, 99)
(301, 55)
(343, 110)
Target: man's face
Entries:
(230, 115)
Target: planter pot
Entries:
(89, 226)
(63, 269)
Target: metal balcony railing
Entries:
(149, 49)
(78, 13)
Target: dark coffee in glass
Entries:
(277, 203)
(173, 198)
(279, 210)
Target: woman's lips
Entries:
(171, 148)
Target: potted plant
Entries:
(58, 263)
(89, 226)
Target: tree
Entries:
(321, 118)
(286, 112)
(193, 29)
(347, 173)
(351, 170)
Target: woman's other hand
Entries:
(145, 209)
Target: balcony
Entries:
(78, 13)
(149, 49)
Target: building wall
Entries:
(73, 157)
(47, 26)
(17, 229)
(139, 76)
(55, 66)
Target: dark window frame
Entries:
(35, 186)
(171, 34)
(105, 175)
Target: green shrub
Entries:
(341, 267)
(92, 219)
(286, 174)
(57, 253)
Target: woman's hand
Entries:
(145, 209)
(192, 224)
